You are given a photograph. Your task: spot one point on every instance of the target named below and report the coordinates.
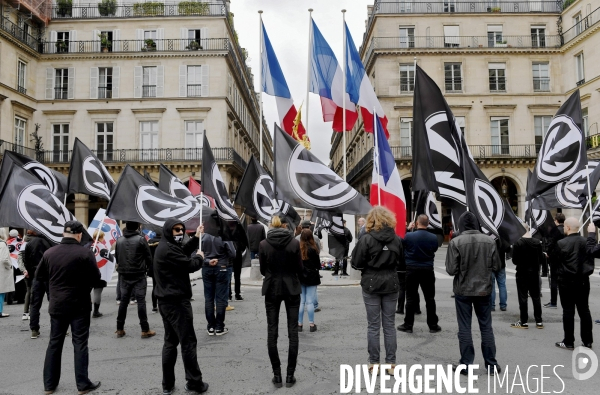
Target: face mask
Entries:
(178, 238)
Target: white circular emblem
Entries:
(563, 141)
(489, 204)
(93, 179)
(263, 199)
(156, 207)
(44, 174)
(224, 206)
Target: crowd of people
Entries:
(392, 271)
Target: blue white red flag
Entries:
(327, 81)
(360, 89)
(110, 228)
(386, 189)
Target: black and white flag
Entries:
(256, 194)
(539, 220)
(171, 184)
(336, 239)
(148, 177)
(213, 185)
(563, 152)
(26, 202)
(437, 141)
(56, 182)
(87, 174)
(426, 205)
(572, 193)
(306, 182)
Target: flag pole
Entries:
(344, 68)
(309, 67)
(99, 230)
(375, 132)
(200, 223)
(261, 89)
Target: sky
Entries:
(286, 22)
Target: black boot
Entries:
(290, 380)
(277, 381)
(97, 314)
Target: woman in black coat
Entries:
(310, 278)
(281, 264)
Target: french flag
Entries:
(327, 81)
(386, 189)
(274, 84)
(360, 89)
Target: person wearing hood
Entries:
(528, 256)
(471, 259)
(173, 263)
(134, 258)
(379, 256)
(153, 243)
(281, 264)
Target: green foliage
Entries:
(193, 8)
(107, 7)
(149, 8)
(567, 3)
(65, 7)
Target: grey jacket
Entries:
(471, 259)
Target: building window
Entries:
(194, 37)
(150, 40)
(61, 84)
(194, 81)
(21, 76)
(541, 77)
(194, 133)
(60, 142)
(106, 46)
(149, 140)
(405, 5)
(405, 132)
(579, 70)
(105, 82)
(495, 38)
(540, 124)
(449, 5)
(104, 140)
(538, 36)
(407, 78)
(20, 124)
(500, 143)
(453, 77)
(497, 76)
(62, 42)
(407, 37)
(577, 24)
(585, 122)
(149, 82)
(460, 124)
(451, 36)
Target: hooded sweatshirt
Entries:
(173, 265)
(280, 263)
(528, 255)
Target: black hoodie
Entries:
(280, 263)
(528, 255)
(173, 265)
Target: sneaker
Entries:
(418, 312)
(148, 334)
(210, 331)
(120, 333)
(539, 325)
(334, 273)
(405, 329)
(203, 388)
(493, 309)
(313, 328)
(238, 298)
(589, 345)
(290, 380)
(168, 391)
(97, 314)
(597, 321)
(493, 369)
(35, 334)
(277, 381)
(565, 346)
(4, 315)
(400, 312)
(155, 310)
(520, 325)
(229, 308)
(435, 329)
(221, 332)
(299, 328)
(463, 372)
(118, 302)
(317, 309)
(25, 316)
(550, 306)
(502, 308)
(345, 274)
(132, 302)
(48, 392)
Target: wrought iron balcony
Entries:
(194, 90)
(20, 34)
(585, 23)
(162, 45)
(104, 92)
(22, 90)
(8, 146)
(148, 90)
(139, 10)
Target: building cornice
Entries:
(132, 55)
(585, 97)
(23, 106)
(105, 111)
(194, 109)
(137, 99)
(543, 106)
(148, 110)
(499, 106)
(13, 90)
(2, 97)
(59, 112)
(19, 44)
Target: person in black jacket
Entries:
(554, 259)
(172, 268)
(71, 271)
(346, 239)
(281, 264)
(528, 256)
(309, 279)
(256, 234)
(576, 257)
(241, 245)
(134, 258)
(153, 243)
(379, 256)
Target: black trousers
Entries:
(178, 321)
(402, 294)
(529, 284)
(553, 279)
(154, 298)
(576, 293)
(80, 332)
(237, 274)
(38, 290)
(292, 307)
(425, 278)
(133, 285)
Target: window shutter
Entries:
(52, 44)
(73, 41)
(116, 77)
(94, 83)
(160, 35)
(451, 35)
(139, 34)
(71, 90)
(49, 83)
(204, 38)
(137, 81)
(205, 74)
(160, 81)
(182, 80)
(184, 38)
(184, 33)
(116, 43)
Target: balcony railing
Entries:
(104, 92)
(61, 93)
(194, 90)
(459, 42)
(18, 33)
(139, 10)
(148, 90)
(462, 7)
(580, 82)
(162, 45)
(589, 20)
(8, 146)
(22, 90)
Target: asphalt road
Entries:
(237, 363)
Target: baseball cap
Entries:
(13, 233)
(73, 227)
(305, 224)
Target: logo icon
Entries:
(563, 141)
(263, 198)
(44, 174)
(93, 179)
(432, 213)
(224, 206)
(489, 204)
(178, 190)
(155, 206)
(584, 358)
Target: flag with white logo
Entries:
(214, 186)
(572, 193)
(257, 195)
(87, 174)
(538, 219)
(426, 205)
(563, 152)
(336, 239)
(306, 182)
(171, 184)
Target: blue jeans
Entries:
(307, 298)
(501, 279)
(2, 303)
(253, 254)
(464, 315)
(381, 313)
(216, 289)
(316, 299)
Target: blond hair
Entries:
(100, 235)
(276, 222)
(380, 217)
